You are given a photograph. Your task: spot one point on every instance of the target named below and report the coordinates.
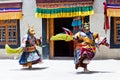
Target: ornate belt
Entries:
(29, 49)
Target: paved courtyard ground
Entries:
(60, 70)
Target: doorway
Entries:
(53, 26)
(62, 48)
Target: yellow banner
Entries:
(113, 12)
(59, 15)
(10, 15)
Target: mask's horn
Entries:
(28, 26)
(67, 31)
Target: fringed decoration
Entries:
(10, 15)
(113, 1)
(113, 12)
(10, 10)
(61, 1)
(64, 8)
(64, 12)
(113, 8)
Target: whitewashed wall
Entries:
(97, 24)
(29, 8)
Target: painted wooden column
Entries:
(51, 33)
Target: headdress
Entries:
(86, 26)
(31, 30)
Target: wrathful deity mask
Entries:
(86, 26)
(31, 30)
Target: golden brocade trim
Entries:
(92, 47)
(87, 40)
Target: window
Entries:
(9, 33)
(115, 32)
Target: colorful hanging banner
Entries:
(113, 8)
(106, 19)
(63, 8)
(10, 10)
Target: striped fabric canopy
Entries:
(113, 8)
(63, 8)
(10, 10)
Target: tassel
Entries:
(106, 20)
